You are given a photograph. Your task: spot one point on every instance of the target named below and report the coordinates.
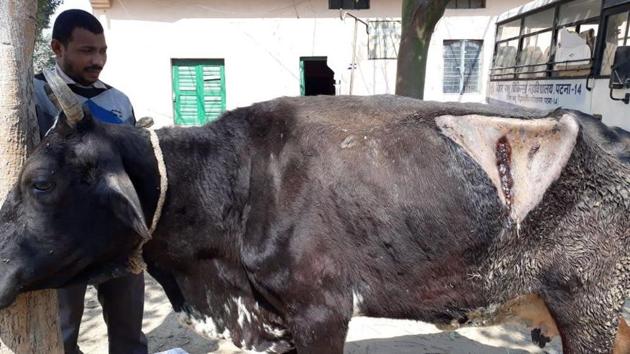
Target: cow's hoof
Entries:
(538, 338)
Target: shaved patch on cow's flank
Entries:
(538, 151)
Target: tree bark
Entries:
(419, 18)
(31, 324)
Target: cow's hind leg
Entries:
(587, 323)
(319, 329)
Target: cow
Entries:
(279, 222)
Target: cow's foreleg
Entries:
(587, 323)
(319, 329)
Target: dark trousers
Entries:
(122, 300)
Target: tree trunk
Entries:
(418, 21)
(31, 324)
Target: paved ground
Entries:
(366, 336)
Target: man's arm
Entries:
(45, 109)
(132, 119)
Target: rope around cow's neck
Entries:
(155, 143)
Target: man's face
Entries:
(83, 57)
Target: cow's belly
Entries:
(243, 322)
(438, 292)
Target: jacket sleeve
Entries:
(45, 110)
(132, 118)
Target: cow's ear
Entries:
(522, 157)
(125, 204)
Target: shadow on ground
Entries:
(171, 334)
(439, 343)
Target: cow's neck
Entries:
(140, 164)
(207, 189)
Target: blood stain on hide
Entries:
(504, 161)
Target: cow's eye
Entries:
(43, 186)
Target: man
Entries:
(79, 45)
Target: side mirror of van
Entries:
(620, 73)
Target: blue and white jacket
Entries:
(106, 103)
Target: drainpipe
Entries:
(342, 15)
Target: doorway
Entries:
(316, 78)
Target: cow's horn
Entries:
(67, 99)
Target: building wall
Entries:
(261, 42)
(474, 24)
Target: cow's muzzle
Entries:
(8, 287)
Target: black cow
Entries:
(284, 219)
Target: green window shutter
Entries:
(198, 91)
(213, 85)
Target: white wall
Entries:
(261, 42)
(475, 24)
